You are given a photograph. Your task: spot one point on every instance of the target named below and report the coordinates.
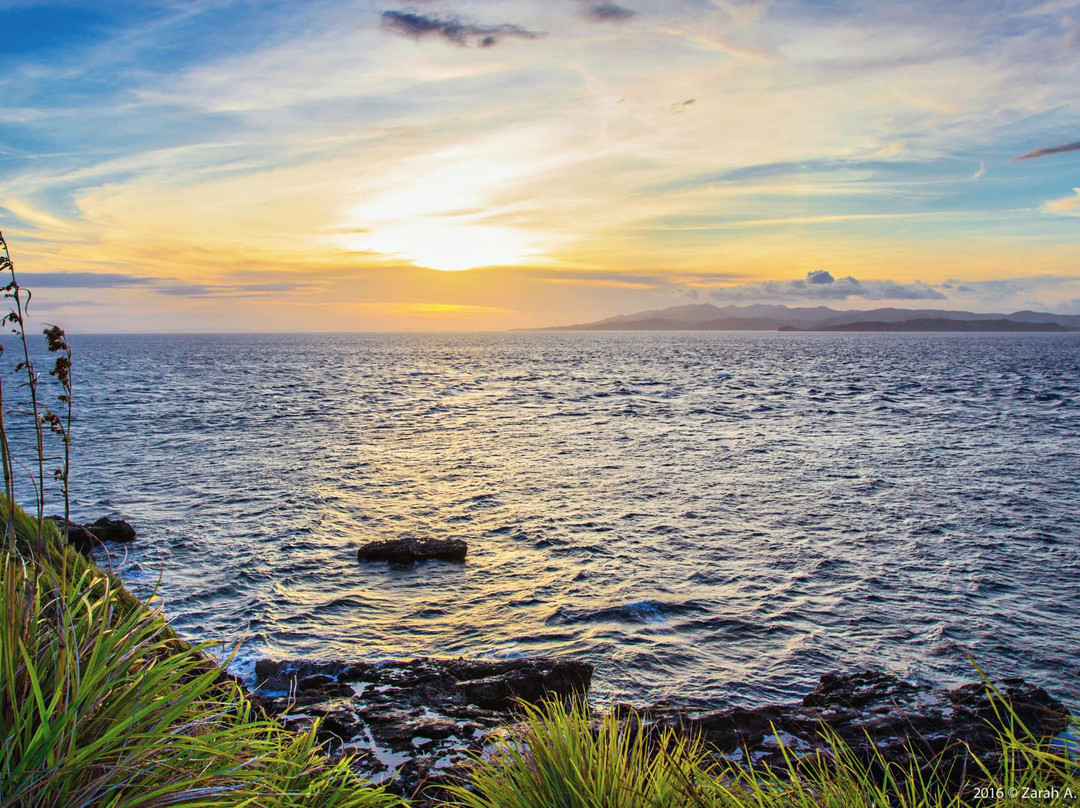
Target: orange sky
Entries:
(490, 165)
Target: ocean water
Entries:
(717, 518)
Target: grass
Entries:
(561, 759)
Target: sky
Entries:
(319, 165)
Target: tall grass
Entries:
(16, 318)
(562, 758)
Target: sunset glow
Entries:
(320, 161)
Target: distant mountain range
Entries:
(759, 317)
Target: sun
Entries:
(449, 210)
(451, 246)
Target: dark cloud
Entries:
(81, 280)
(1043, 152)
(452, 29)
(821, 285)
(605, 11)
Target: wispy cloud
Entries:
(850, 169)
(82, 280)
(1066, 206)
(236, 286)
(202, 290)
(418, 26)
(1048, 150)
(821, 285)
(1002, 289)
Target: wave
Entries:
(639, 611)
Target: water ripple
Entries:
(717, 517)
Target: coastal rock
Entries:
(116, 530)
(78, 536)
(886, 721)
(408, 550)
(411, 724)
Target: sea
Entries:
(710, 518)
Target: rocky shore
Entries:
(413, 725)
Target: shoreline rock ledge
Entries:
(408, 550)
(879, 717)
(412, 725)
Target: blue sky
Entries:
(440, 164)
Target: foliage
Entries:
(16, 317)
(563, 759)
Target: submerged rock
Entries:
(116, 530)
(408, 550)
(411, 724)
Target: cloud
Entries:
(821, 285)
(816, 169)
(418, 26)
(204, 290)
(1046, 150)
(1008, 288)
(239, 284)
(605, 11)
(81, 280)
(1067, 206)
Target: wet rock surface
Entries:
(78, 536)
(411, 724)
(884, 720)
(84, 537)
(408, 550)
(116, 530)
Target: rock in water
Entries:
(409, 550)
(117, 530)
(78, 536)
